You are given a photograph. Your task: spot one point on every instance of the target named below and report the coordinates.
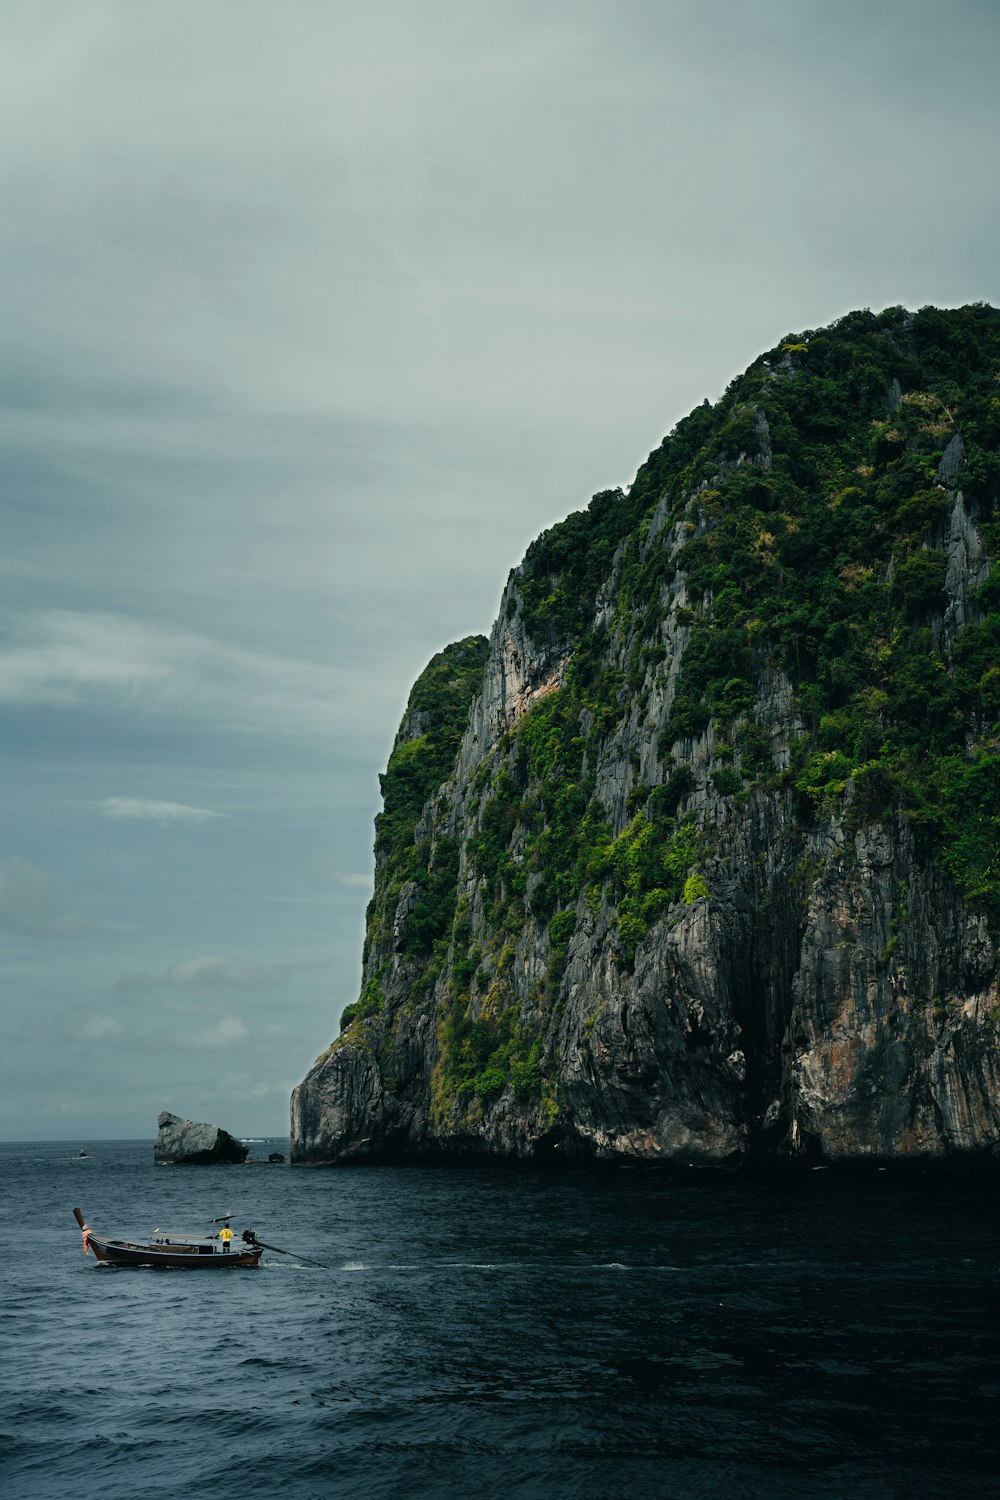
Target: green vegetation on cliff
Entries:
(424, 754)
(805, 530)
(422, 758)
(817, 515)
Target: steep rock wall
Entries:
(681, 901)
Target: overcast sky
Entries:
(314, 315)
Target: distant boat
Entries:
(180, 1252)
(80, 1153)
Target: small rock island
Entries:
(190, 1144)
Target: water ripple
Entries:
(490, 1333)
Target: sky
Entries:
(314, 315)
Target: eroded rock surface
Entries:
(799, 971)
(187, 1143)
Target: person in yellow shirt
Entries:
(225, 1235)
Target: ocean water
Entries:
(481, 1332)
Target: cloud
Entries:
(271, 436)
(134, 984)
(211, 969)
(242, 1086)
(207, 971)
(71, 658)
(30, 901)
(98, 1029)
(147, 810)
(228, 1031)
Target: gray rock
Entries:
(187, 1143)
(952, 460)
(832, 995)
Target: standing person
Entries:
(225, 1235)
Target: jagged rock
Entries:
(952, 460)
(187, 1143)
(275, 1158)
(824, 987)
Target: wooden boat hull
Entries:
(172, 1258)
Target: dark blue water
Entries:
(486, 1333)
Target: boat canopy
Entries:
(181, 1239)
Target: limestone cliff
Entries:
(699, 855)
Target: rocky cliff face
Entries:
(698, 857)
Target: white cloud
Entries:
(207, 971)
(70, 658)
(146, 809)
(98, 1029)
(30, 901)
(228, 1031)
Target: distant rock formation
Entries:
(187, 1143)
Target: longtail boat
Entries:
(180, 1252)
